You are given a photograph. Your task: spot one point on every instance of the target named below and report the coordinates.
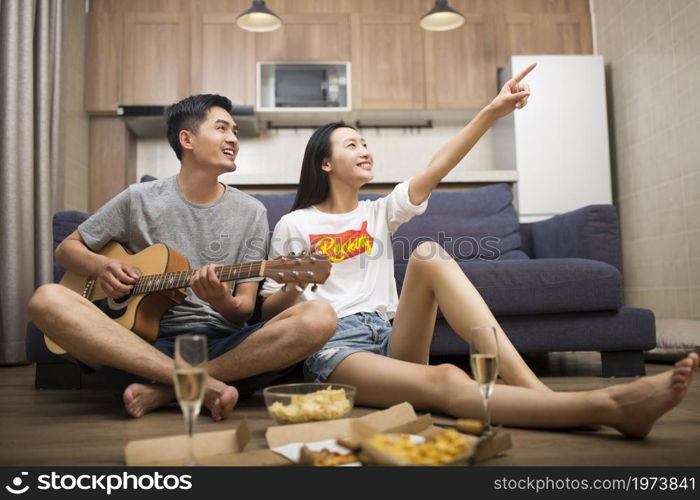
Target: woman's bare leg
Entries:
(630, 408)
(434, 279)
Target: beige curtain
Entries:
(30, 174)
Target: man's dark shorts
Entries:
(219, 341)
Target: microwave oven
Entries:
(304, 85)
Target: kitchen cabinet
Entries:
(137, 52)
(387, 62)
(519, 33)
(223, 57)
(541, 27)
(516, 33)
(567, 33)
(156, 57)
(307, 37)
(157, 51)
(112, 159)
(103, 54)
(460, 64)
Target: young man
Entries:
(206, 222)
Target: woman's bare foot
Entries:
(642, 402)
(140, 399)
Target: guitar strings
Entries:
(154, 282)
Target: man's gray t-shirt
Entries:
(232, 230)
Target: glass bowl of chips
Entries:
(308, 402)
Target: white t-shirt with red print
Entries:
(357, 243)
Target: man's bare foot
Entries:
(642, 402)
(140, 399)
(220, 400)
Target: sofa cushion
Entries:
(277, 205)
(542, 286)
(64, 223)
(625, 329)
(591, 232)
(470, 224)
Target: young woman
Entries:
(388, 363)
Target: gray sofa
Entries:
(554, 285)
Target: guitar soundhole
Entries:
(122, 300)
(114, 308)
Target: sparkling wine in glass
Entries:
(484, 363)
(190, 382)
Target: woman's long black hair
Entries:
(313, 182)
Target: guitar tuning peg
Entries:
(314, 287)
(285, 288)
(299, 288)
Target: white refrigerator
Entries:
(559, 142)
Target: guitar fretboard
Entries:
(169, 281)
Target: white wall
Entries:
(275, 156)
(652, 57)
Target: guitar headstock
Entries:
(313, 268)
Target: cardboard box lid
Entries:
(225, 448)
(172, 450)
(316, 431)
(401, 418)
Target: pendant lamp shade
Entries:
(259, 18)
(441, 17)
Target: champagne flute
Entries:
(484, 363)
(190, 382)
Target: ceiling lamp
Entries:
(441, 17)
(259, 18)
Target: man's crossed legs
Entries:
(88, 335)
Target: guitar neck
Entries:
(169, 281)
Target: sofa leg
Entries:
(57, 376)
(622, 363)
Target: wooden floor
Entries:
(89, 426)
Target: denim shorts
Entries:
(360, 332)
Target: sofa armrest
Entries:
(591, 232)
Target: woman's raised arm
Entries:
(513, 95)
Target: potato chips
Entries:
(320, 405)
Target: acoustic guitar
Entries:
(163, 276)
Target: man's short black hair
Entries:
(189, 114)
